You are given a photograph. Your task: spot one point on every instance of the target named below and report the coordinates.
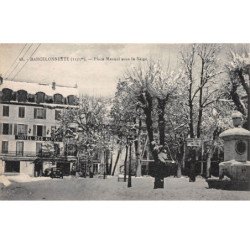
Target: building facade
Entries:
(29, 118)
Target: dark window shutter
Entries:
(15, 129)
(44, 114)
(1, 128)
(10, 129)
(35, 111)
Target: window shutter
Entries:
(15, 129)
(1, 128)
(44, 131)
(44, 113)
(35, 112)
(10, 129)
(34, 130)
(26, 129)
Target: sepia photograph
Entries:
(88, 121)
(124, 124)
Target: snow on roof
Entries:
(234, 133)
(33, 88)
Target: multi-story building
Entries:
(29, 116)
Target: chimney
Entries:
(1, 79)
(53, 85)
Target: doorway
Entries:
(39, 131)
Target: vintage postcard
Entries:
(124, 121)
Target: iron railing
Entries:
(36, 154)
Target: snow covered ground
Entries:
(71, 188)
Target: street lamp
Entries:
(129, 170)
(131, 138)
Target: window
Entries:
(49, 99)
(39, 113)
(58, 98)
(5, 110)
(19, 147)
(57, 114)
(21, 112)
(31, 98)
(5, 145)
(71, 100)
(39, 130)
(40, 97)
(12, 166)
(22, 96)
(7, 129)
(38, 148)
(21, 129)
(7, 94)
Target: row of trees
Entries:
(194, 101)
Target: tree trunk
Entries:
(200, 101)
(178, 174)
(111, 162)
(125, 164)
(179, 157)
(137, 144)
(208, 174)
(149, 125)
(107, 161)
(91, 174)
(184, 156)
(236, 99)
(159, 182)
(116, 161)
(138, 158)
(104, 165)
(85, 169)
(161, 120)
(191, 122)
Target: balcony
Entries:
(18, 153)
(42, 154)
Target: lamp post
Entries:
(130, 165)
(130, 139)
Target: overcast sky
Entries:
(92, 76)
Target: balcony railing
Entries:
(37, 154)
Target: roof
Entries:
(33, 88)
(234, 133)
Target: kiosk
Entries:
(235, 165)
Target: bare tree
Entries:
(93, 133)
(200, 64)
(149, 88)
